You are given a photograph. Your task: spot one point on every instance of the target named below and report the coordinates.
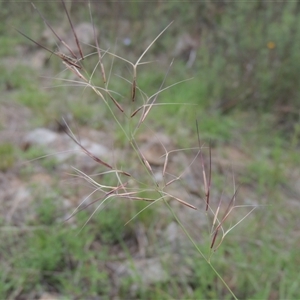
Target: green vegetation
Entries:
(7, 156)
(244, 94)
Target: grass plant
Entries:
(126, 186)
(128, 191)
(130, 117)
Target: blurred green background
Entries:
(244, 61)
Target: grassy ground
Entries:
(258, 259)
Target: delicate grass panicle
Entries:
(126, 184)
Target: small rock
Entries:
(149, 271)
(153, 148)
(48, 296)
(64, 148)
(40, 136)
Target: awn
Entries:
(68, 60)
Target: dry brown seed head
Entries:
(68, 59)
